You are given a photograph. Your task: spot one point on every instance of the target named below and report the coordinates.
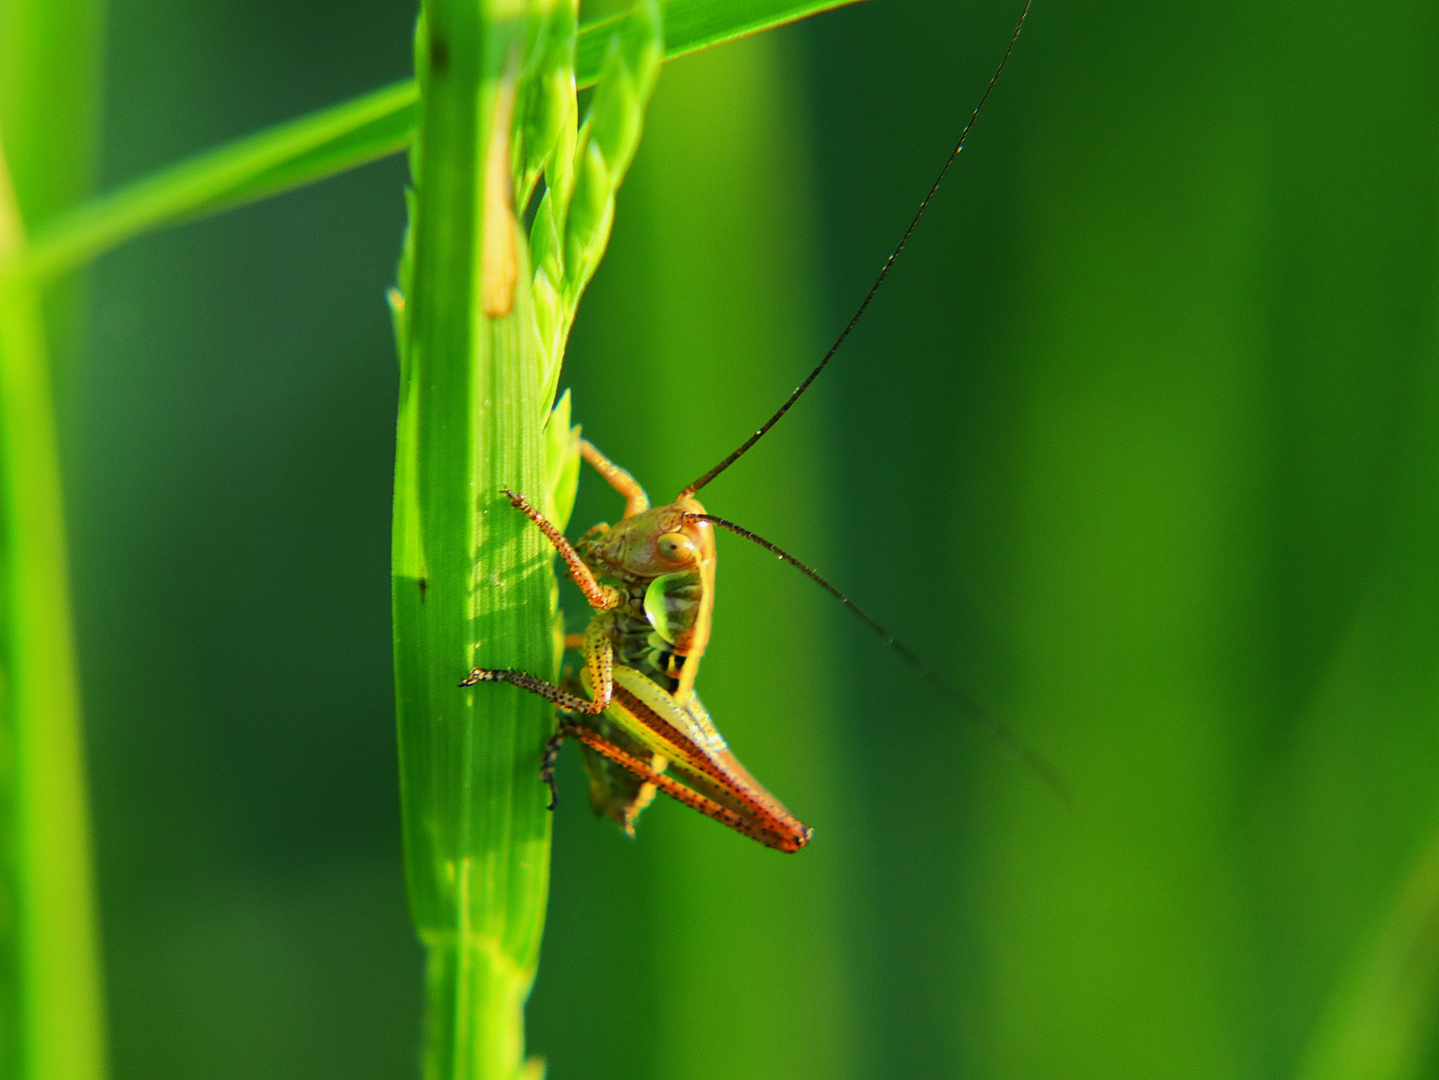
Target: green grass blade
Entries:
(342, 137)
(278, 159)
(50, 81)
(473, 582)
(476, 830)
(573, 221)
(691, 25)
(51, 1016)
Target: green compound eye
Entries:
(676, 547)
(671, 603)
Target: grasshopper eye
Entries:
(676, 547)
(672, 604)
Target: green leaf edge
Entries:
(1381, 1014)
(342, 137)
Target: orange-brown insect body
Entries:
(642, 727)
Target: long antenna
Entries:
(883, 273)
(1022, 751)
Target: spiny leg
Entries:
(548, 760)
(599, 654)
(636, 501)
(550, 756)
(755, 830)
(601, 660)
(601, 597)
(563, 698)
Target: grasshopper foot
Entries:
(547, 765)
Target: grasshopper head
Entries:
(660, 541)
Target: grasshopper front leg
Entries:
(600, 597)
(599, 652)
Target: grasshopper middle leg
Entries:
(600, 658)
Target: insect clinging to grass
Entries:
(650, 579)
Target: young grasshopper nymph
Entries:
(650, 579)
(642, 725)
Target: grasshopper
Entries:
(635, 711)
(650, 579)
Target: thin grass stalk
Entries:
(53, 1027)
(481, 336)
(468, 571)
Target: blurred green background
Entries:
(1141, 444)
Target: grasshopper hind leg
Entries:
(615, 792)
(551, 756)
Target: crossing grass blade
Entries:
(342, 137)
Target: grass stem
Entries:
(52, 1019)
(470, 578)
